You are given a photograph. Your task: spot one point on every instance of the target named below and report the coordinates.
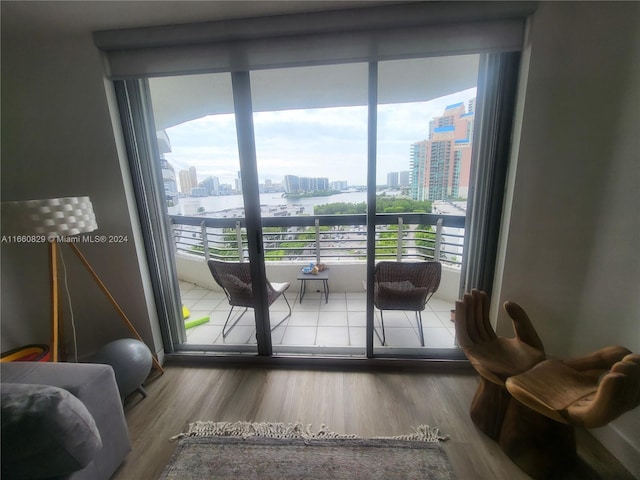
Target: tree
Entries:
(384, 204)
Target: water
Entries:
(272, 203)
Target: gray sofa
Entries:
(61, 420)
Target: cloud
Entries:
(321, 142)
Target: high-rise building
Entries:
(211, 185)
(404, 179)
(193, 176)
(321, 183)
(417, 164)
(392, 179)
(440, 166)
(199, 192)
(471, 105)
(170, 185)
(239, 182)
(188, 180)
(338, 185)
(291, 183)
(185, 182)
(294, 184)
(226, 189)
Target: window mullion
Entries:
(371, 197)
(250, 186)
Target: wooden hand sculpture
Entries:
(617, 392)
(529, 404)
(589, 391)
(496, 358)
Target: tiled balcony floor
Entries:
(315, 326)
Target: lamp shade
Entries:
(53, 217)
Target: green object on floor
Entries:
(195, 323)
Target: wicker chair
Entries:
(405, 286)
(235, 280)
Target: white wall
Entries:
(570, 239)
(58, 140)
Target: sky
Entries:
(322, 142)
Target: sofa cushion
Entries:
(46, 432)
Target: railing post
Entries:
(436, 251)
(239, 241)
(205, 240)
(317, 240)
(399, 254)
(173, 235)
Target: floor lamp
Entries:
(55, 221)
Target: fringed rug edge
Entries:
(297, 430)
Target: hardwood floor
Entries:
(360, 402)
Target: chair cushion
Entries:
(280, 287)
(46, 432)
(238, 285)
(393, 287)
(400, 296)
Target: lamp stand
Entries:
(55, 319)
(54, 294)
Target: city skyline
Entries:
(187, 182)
(327, 142)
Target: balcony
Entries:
(316, 326)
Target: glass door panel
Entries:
(425, 129)
(311, 143)
(196, 129)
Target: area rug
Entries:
(270, 451)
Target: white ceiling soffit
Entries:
(183, 98)
(72, 17)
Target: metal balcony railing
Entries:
(326, 238)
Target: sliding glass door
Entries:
(198, 147)
(311, 137)
(425, 126)
(333, 166)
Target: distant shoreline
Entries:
(324, 193)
